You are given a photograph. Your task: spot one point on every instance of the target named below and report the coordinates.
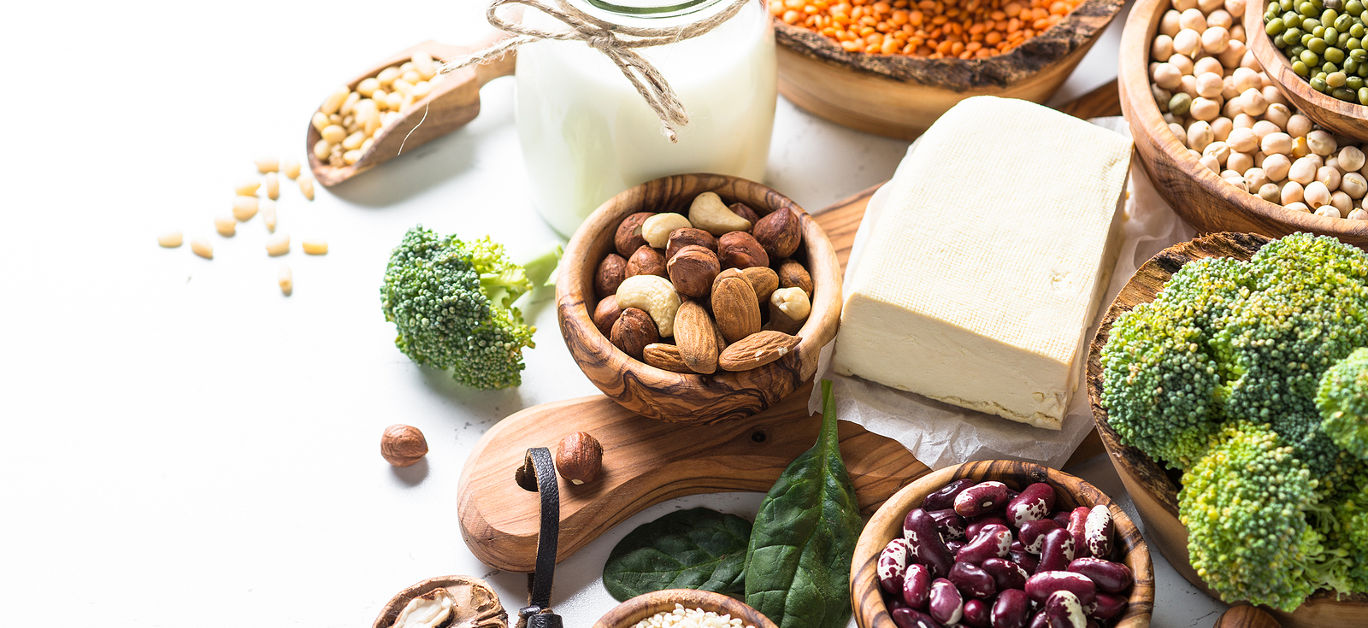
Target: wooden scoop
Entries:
(453, 102)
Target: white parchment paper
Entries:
(940, 434)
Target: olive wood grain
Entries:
(453, 102)
(627, 614)
(1154, 490)
(1196, 193)
(1070, 492)
(689, 397)
(900, 96)
(646, 462)
(1338, 116)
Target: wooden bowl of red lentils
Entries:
(891, 67)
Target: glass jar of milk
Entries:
(587, 134)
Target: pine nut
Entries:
(202, 248)
(315, 247)
(353, 141)
(320, 121)
(351, 156)
(349, 104)
(268, 214)
(226, 226)
(334, 100)
(279, 244)
(247, 188)
(387, 75)
(367, 86)
(426, 67)
(267, 164)
(244, 207)
(169, 239)
(290, 168)
(272, 186)
(333, 134)
(286, 280)
(322, 149)
(421, 89)
(411, 76)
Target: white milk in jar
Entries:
(587, 134)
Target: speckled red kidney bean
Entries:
(977, 614)
(1078, 520)
(1006, 574)
(993, 541)
(1033, 532)
(1034, 502)
(1040, 586)
(1109, 576)
(1092, 623)
(973, 581)
(946, 604)
(981, 498)
(973, 528)
(1097, 531)
(954, 546)
(1039, 620)
(950, 524)
(1011, 609)
(924, 542)
(1062, 518)
(912, 618)
(1065, 611)
(1106, 606)
(945, 496)
(1056, 550)
(1029, 562)
(917, 586)
(892, 565)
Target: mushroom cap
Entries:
(474, 603)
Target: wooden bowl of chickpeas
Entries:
(1219, 140)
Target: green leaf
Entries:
(798, 560)
(690, 549)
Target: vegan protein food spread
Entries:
(1323, 43)
(682, 617)
(1225, 110)
(988, 310)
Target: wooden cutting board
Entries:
(646, 462)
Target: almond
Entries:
(761, 279)
(696, 338)
(756, 350)
(665, 356)
(736, 308)
(779, 233)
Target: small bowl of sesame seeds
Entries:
(683, 608)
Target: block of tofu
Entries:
(987, 256)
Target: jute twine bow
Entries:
(614, 40)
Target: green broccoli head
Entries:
(1245, 506)
(451, 302)
(1342, 399)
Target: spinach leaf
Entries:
(798, 560)
(690, 549)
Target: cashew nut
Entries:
(709, 213)
(657, 228)
(653, 294)
(789, 307)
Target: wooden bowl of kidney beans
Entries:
(1001, 544)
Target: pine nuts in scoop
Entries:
(376, 101)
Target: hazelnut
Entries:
(680, 238)
(634, 330)
(779, 233)
(611, 271)
(739, 249)
(403, 445)
(793, 275)
(628, 237)
(579, 458)
(645, 261)
(606, 313)
(743, 210)
(692, 270)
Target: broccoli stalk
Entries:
(451, 302)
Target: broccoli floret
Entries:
(451, 302)
(1343, 402)
(1245, 507)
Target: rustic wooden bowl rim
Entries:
(1145, 116)
(1271, 59)
(627, 614)
(865, 587)
(959, 75)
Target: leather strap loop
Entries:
(538, 613)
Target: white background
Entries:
(180, 445)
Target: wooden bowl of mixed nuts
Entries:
(698, 298)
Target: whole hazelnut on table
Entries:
(403, 445)
(579, 458)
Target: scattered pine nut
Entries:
(286, 280)
(278, 244)
(169, 239)
(272, 186)
(290, 168)
(315, 247)
(226, 226)
(306, 185)
(267, 164)
(268, 214)
(202, 248)
(244, 207)
(247, 188)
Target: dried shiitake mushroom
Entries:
(448, 602)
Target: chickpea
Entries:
(1271, 94)
(1234, 51)
(1316, 194)
(1342, 202)
(1167, 76)
(1297, 207)
(1220, 17)
(1199, 135)
(1205, 109)
(1292, 192)
(1254, 103)
(1271, 192)
(1320, 142)
(1248, 61)
(1264, 128)
(1332, 161)
(1188, 85)
(1162, 48)
(1228, 88)
(1215, 40)
(1207, 64)
(1303, 171)
(1211, 163)
(1274, 142)
(1245, 78)
(1242, 139)
(1298, 125)
(1243, 121)
(1256, 178)
(1170, 23)
(1237, 33)
(1240, 162)
(1219, 150)
(1235, 7)
(1183, 5)
(1161, 95)
(1209, 85)
(1178, 131)
(1221, 128)
(1329, 211)
(1358, 214)
(1187, 42)
(1350, 158)
(1299, 148)
(1276, 166)
(1233, 107)
(1207, 6)
(1354, 185)
(1277, 113)
(1192, 19)
(1329, 176)
(1182, 62)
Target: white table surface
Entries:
(180, 445)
